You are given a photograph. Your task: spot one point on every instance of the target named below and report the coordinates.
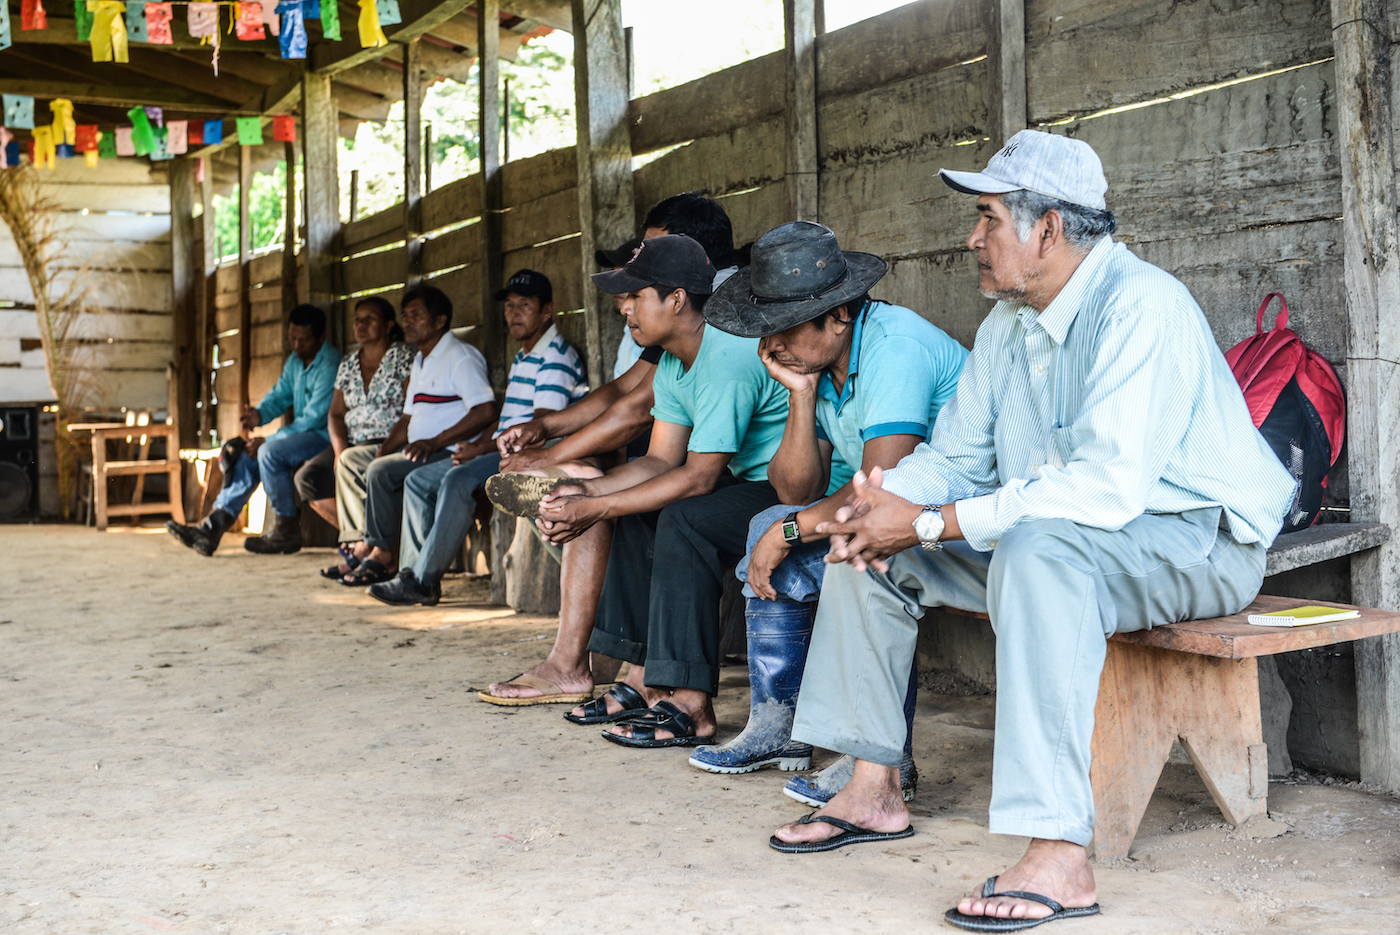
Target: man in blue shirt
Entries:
(865, 380)
(306, 386)
(1096, 472)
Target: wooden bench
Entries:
(1198, 682)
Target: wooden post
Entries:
(354, 195)
(289, 239)
(209, 323)
(245, 252)
(488, 65)
(631, 62)
(321, 193)
(800, 55)
(1372, 274)
(413, 159)
(505, 121)
(184, 270)
(1006, 69)
(607, 205)
(428, 158)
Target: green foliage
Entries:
(266, 203)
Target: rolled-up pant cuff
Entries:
(1041, 828)
(670, 673)
(861, 750)
(617, 647)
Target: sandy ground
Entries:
(233, 745)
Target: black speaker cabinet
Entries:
(19, 463)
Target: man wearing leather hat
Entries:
(865, 381)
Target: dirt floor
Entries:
(233, 745)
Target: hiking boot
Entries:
(820, 787)
(229, 453)
(406, 589)
(284, 539)
(203, 537)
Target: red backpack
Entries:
(1297, 404)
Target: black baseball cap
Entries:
(612, 259)
(673, 260)
(527, 282)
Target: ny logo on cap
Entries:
(1008, 149)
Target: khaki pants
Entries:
(350, 490)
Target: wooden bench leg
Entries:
(1149, 697)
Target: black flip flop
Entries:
(992, 924)
(369, 572)
(850, 834)
(333, 572)
(596, 711)
(662, 716)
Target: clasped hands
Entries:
(873, 525)
(567, 512)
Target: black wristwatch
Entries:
(791, 534)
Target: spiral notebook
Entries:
(1301, 616)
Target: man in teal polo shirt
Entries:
(866, 380)
(719, 418)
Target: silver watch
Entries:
(928, 526)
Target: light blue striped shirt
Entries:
(549, 377)
(1113, 402)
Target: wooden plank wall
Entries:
(116, 219)
(268, 342)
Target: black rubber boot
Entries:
(204, 537)
(284, 539)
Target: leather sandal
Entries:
(369, 572)
(596, 711)
(663, 716)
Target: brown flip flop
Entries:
(520, 494)
(549, 693)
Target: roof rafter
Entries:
(116, 95)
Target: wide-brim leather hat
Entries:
(798, 273)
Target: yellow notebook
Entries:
(1301, 616)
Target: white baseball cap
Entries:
(1046, 163)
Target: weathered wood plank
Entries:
(453, 248)
(800, 111)
(117, 290)
(1006, 69)
(1321, 543)
(463, 287)
(560, 261)
(109, 228)
(452, 203)
(228, 278)
(547, 218)
(369, 232)
(97, 254)
(104, 197)
(374, 271)
(265, 270)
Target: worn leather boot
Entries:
(284, 539)
(203, 537)
(779, 633)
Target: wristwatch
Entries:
(791, 534)
(928, 526)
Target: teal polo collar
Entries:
(826, 387)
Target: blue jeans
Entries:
(438, 505)
(797, 577)
(278, 459)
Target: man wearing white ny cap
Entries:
(1096, 472)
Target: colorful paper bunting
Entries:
(64, 129)
(64, 151)
(6, 39)
(204, 21)
(12, 153)
(108, 38)
(107, 144)
(269, 17)
(85, 137)
(159, 152)
(293, 37)
(194, 133)
(32, 15)
(90, 159)
(371, 34)
(158, 18)
(44, 149)
(284, 128)
(82, 19)
(177, 137)
(330, 20)
(249, 131)
(155, 115)
(310, 9)
(19, 111)
(213, 132)
(125, 145)
(199, 170)
(250, 21)
(142, 136)
(388, 12)
(136, 22)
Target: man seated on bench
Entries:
(865, 381)
(1096, 472)
(306, 386)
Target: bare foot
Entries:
(871, 799)
(635, 675)
(571, 681)
(697, 704)
(1057, 869)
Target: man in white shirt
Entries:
(449, 400)
(1096, 472)
(546, 376)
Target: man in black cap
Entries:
(865, 382)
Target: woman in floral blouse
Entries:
(369, 397)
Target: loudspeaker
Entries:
(19, 463)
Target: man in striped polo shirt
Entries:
(546, 376)
(1096, 472)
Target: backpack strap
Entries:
(1281, 321)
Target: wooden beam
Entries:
(493, 343)
(1371, 241)
(413, 160)
(289, 236)
(607, 206)
(800, 57)
(245, 255)
(185, 268)
(117, 95)
(554, 13)
(321, 193)
(419, 17)
(1006, 69)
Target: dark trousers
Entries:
(660, 600)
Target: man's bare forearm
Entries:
(624, 421)
(797, 471)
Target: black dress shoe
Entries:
(406, 589)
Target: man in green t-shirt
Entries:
(719, 418)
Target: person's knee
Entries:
(380, 471)
(305, 481)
